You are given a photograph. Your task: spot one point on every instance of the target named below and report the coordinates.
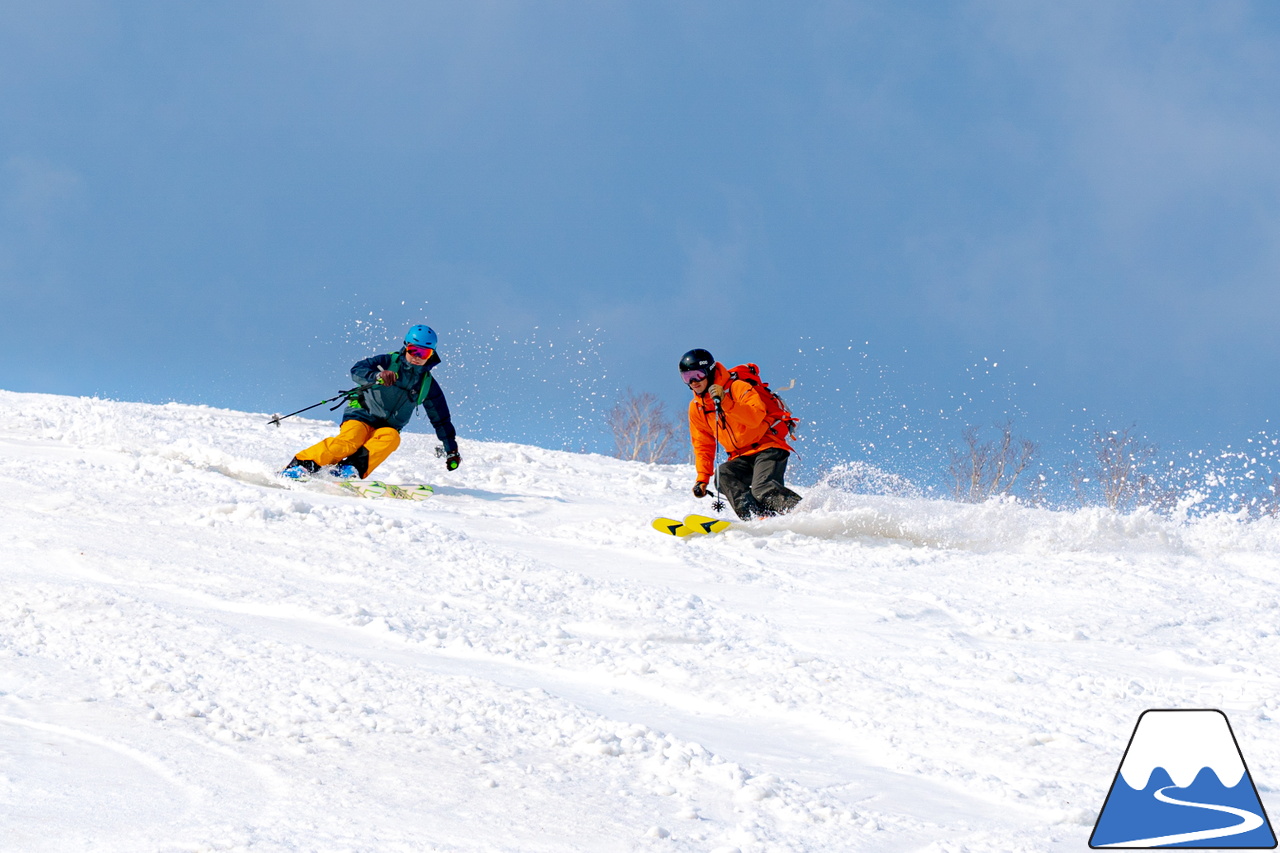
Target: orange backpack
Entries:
(781, 422)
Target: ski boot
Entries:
(299, 469)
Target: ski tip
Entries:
(418, 492)
(380, 489)
(671, 526)
(707, 524)
(692, 525)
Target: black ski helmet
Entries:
(698, 359)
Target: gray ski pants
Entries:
(753, 484)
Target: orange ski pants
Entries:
(381, 442)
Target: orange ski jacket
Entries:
(743, 431)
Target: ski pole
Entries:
(275, 420)
(718, 504)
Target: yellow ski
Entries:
(706, 524)
(693, 525)
(672, 527)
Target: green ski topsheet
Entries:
(379, 489)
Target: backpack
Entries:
(781, 422)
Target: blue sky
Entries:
(928, 213)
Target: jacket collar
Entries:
(719, 376)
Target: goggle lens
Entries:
(419, 352)
(692, 376)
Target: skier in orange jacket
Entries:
(730, 412)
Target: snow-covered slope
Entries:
(193, 657)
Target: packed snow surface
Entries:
(197, 656)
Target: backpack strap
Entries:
(750, 374)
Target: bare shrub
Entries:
(1263, 502)
(1123, 473)
(641, 430)
(985, 469)
(1269, 503)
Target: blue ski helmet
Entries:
(421, 336)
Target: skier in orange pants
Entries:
(371, 427)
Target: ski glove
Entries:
(699, 490)
(452, 460)
(387, 377)
(716, 392)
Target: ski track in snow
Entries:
(198, 657)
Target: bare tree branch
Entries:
(1124, 472)
(985, 469)
(641, 430)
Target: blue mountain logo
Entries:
(1183, 783)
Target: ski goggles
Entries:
(419, 352)
(692, 376)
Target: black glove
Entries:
(699, 490)
(452, 460)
